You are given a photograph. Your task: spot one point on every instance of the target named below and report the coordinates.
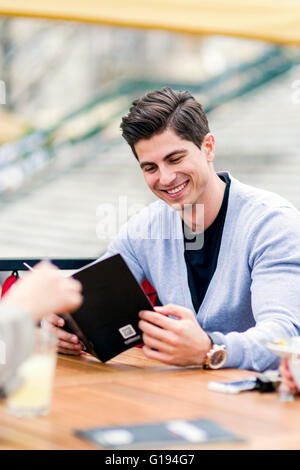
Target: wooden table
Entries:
(132, 389)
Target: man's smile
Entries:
(176, 191)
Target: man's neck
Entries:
(201, 215)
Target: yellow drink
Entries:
(34, 396)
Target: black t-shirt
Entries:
(201, 264)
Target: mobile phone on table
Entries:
(235, 386)
(265, 382)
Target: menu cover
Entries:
(107, 321)
(157, 435)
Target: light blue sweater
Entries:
(254, 294)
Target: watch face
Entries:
(217, 358)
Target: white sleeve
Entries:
(274, 262)
(16, 343)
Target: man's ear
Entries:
(208, 145)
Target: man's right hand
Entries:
(68, 343)
(43, 292)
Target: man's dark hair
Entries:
(159, 110)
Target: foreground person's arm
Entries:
(38, 294)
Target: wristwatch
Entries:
(216, 356)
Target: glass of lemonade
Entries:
(33, 398)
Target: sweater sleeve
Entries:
(274, 263)
(16, 343)
(124, 245)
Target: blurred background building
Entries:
(64, 88)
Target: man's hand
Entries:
(180, 342)
(67, 343)
(44, 291)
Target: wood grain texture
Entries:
(132, 389)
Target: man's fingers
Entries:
(156, 355)
(68, 343)
(69, 346)
(67, 337)
(175, 310)
(70, 352)
(55, 320)
(158, 319)
(64, 335)
(154, 343)
(158, 333)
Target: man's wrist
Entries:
(205, 348)
(217, 354)
(215, 338)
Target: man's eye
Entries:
(149, 169)
(175, 160)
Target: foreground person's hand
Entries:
(287, 378)
(44, 292)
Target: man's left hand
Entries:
(178, 341)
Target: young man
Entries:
(235, 285)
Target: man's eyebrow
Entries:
(171, 154)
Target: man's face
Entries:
(176, 170)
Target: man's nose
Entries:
(166, 178)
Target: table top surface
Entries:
(131, 389)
